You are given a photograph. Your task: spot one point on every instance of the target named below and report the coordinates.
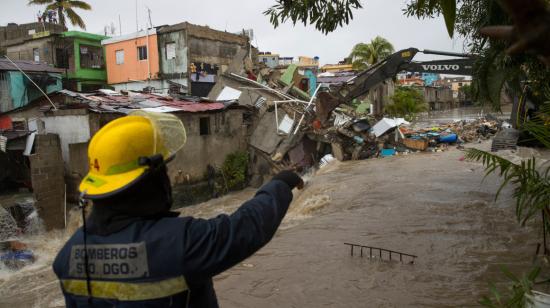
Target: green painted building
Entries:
(82, 58)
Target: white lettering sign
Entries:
(441, 67)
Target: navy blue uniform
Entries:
(168, 262)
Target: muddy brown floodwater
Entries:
(432, 205)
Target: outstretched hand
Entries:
(290, 178)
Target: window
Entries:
(19, 124)
(91, 56)
(62, 58)
(36, 54)
(170, 50)
(119, 54)
(460, 84)
(142, 52)
(204, 126)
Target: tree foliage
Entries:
(326, 15)
(406, 103)
(466, 92)
(365, 54)
(65, 8)
(515, 296)
(494, 69)
(531, 185)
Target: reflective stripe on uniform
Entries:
(126, 291)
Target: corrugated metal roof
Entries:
(125, 103)
(27, 66)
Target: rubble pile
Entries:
(480, 129)
(296, 126)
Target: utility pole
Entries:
(119, 25)
(148, 54)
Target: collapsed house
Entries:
(294, 126)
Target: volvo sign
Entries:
(455, 66)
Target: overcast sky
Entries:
(378, 17)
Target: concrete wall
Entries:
(212, 52)
(199, 46)
(227, 135)
(176, 67)
(71, 128)
(16, 34)
(160, 86)
(379, 95)
(47, 175)
(24, 51)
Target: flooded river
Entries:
(466, 113)
(430, 205)
(433, 205)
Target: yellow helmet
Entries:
(121, 152)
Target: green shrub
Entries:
(407, 102)
(234, 170)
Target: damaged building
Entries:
(175, 59)
(15, 34)
(78, 54)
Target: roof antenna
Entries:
(39, 89)
(149, 12)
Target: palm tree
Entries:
(65, 7)
(364, 54)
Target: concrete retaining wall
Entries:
(47, 174)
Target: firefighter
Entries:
(132, 251)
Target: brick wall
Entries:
(47, 175)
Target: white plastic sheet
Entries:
(386, 124)
(228, 94)
(286, 124)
